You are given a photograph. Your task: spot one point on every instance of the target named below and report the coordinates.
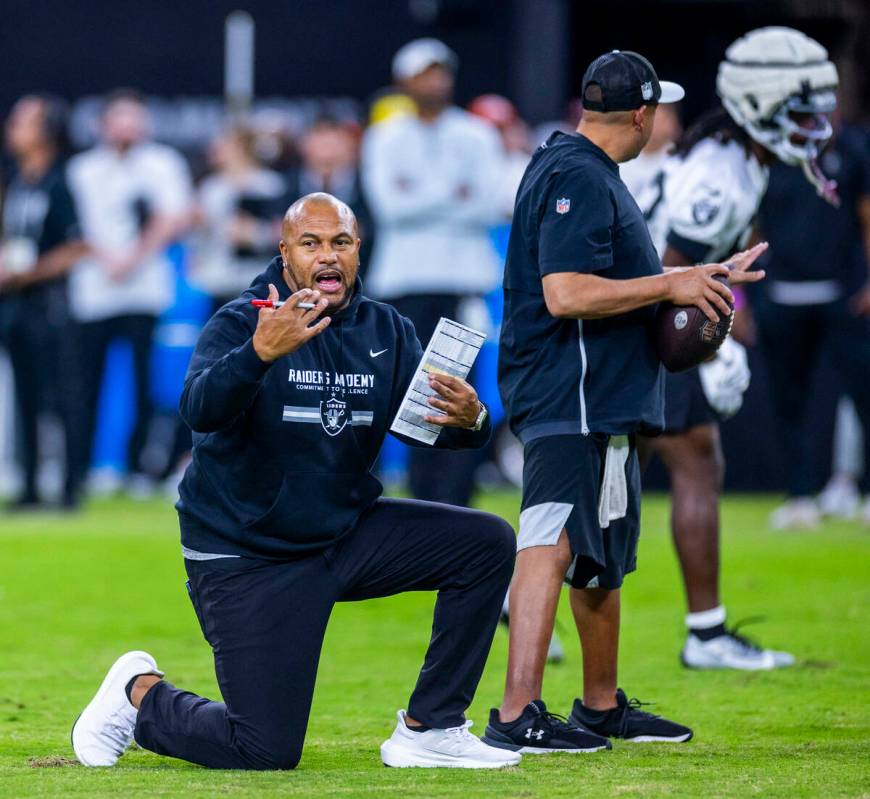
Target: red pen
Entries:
(279, 303)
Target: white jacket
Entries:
(108, 187)
(435, 190)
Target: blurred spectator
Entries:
(430, 181)
(240, 205)
(573, 114)
(329, 162)
(388, 103)
(134, 198)
(815, 301)
(515, 137)
(643, 170)
(40, 243)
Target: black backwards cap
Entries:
(624, 81)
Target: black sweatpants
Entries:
(96, 338)
(265, 621)
(43, 344)
(793, 338)
(437, 475)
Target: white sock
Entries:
(705, 619)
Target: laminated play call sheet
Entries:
(452, 350)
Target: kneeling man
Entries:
(281, 518)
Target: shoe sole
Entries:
(539, 750)
(534, 750)
(643, 739)
(722, 667)
(101, 692)
(395, 756)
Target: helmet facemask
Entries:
(798, 131)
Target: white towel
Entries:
(613, 502)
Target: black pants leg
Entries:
(71, 410)
(62, 376)
(94, 338)
(27, 345)
(790, 338)
(265, 622)
(848, 337)
(437, 475)
(139, 331)
(467, 556)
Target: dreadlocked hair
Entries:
(714, 124)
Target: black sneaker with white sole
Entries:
(629, 722)
(538, 732)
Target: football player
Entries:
(777, 88)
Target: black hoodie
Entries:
(283, 451)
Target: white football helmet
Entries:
(780, 87)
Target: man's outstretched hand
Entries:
(740, 264)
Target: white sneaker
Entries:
(840, 498)
(104, 730)
(141, 487)
(104, 481)
(454, 747)
(731, 651)
(794, 514)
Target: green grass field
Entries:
(76, 592)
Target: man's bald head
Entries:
(320, 247)
(315, 204)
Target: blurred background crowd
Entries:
(129, 215)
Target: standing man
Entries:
(777, 89)
(40, 243)
(329, 155)
(580, 377)
(432, 183)
(281, 518)
(134, 197)
(817, 303)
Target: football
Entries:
(685, 337)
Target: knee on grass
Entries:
(278, 757)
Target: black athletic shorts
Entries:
(562, 478)
(685, 403)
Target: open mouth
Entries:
(329, 281)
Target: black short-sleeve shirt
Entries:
(557, 376)
(828, 242)
(41, 211)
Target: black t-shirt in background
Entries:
(809, 238)
(41, 215)
(42, 211)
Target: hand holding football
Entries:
(686, 335)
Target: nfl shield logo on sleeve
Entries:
(563, 205)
